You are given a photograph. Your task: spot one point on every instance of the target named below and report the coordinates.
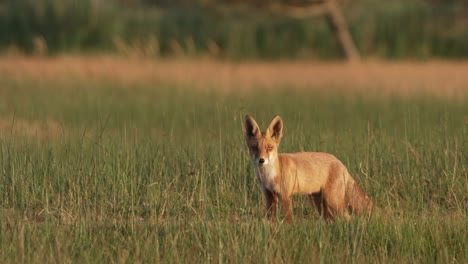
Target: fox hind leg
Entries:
(334, 191)
(334, 201)
(321, 205)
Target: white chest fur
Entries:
(266, 176)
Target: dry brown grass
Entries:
(31, 129)
(435, 77)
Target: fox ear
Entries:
(251, 128)
(275, 129)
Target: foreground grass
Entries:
(100, 172)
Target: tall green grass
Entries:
(161, 174)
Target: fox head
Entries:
(263, 146)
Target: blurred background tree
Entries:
(233, 29)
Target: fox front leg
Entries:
(287, 209)
(271, 204)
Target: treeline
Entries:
(231, 28)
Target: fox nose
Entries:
(261, 161)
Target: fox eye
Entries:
(269, 148)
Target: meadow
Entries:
(100, 166)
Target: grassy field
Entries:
(100, 169)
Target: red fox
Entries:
(319, 175)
